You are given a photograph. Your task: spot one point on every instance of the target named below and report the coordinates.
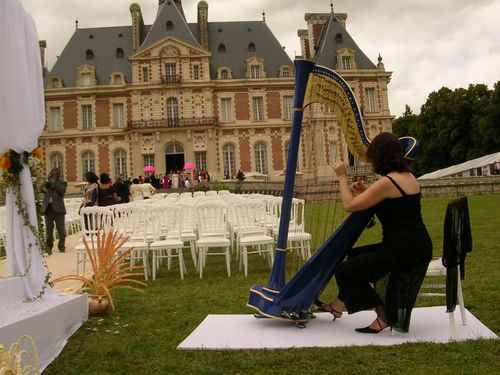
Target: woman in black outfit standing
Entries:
(406, 244)
(107, 194)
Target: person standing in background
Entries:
(54, 210)
(147, 189)
(122, 189)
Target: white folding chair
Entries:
(211, 223)
(251, 232)
(93, 219)
(168, 243)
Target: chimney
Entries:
(203, 23)
(43, 45)
(137, 26)
(315, 24)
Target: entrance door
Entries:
(174, 158)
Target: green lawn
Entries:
(141, 337)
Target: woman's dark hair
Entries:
(91, 177)
(147, 179)
(386, 154)
(135, 180)
(104, 178)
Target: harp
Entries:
(292, 301)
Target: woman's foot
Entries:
(377, 326)
(335, 308)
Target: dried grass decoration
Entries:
(110, 267)
(18, 360)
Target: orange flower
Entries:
(37, 152)
(5, 162)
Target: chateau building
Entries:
(217, 94)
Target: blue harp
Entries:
(292, 301)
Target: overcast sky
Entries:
(427, 44)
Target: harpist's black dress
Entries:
(405, 245)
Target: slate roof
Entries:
(103, 42)
(330, 43)
(169, 12)
(236, 37)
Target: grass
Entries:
(141, 337)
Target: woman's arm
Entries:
(370, 197)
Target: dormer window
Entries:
(346, 59)
(255, 67)
(119, 53)
(90, 54)
(117, 78)
(55, 83)
(221, 48)
(86, 75)
(254, 71)
(170, 25)
(346, 62)
(251, 47)
(224, 72)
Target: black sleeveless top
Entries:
(405, 236)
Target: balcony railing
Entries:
(172, 123)
(171, 78)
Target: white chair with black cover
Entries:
(211, 223)
(251, 232)
(168, 243)
(457, 242)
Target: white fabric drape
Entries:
(22, 117)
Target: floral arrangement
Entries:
(17, 361)
(110, 269)
(11, 165)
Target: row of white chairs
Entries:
(207, 225)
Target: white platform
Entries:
(49, 321)
(429, 324)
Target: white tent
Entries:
(481, 162)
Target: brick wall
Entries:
(273, 105)
(102, 113)
(70, 115)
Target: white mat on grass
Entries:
(429, 324)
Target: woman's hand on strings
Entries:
(340, 169)
(359, 186)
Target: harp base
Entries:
(263, 301)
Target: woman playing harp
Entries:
(406, 244)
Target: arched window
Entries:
(90, 54)
(285, 72)
(170, 25)
(229, 160)
(175, 148)
(56, 161)
(224, 74)
(119, 53)
(261, 158)
(88, 162)
(221, 48)
(172, 113)
(251, 47)
(120, 161)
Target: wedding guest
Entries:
(54, 209)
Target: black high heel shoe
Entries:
(321, 307)
(372, 330)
